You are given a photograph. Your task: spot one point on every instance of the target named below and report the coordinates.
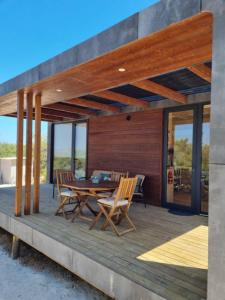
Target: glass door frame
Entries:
(196, 157)
(52, 134)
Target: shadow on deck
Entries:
(166, 258)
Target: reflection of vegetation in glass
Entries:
(80, 150)
(62, 146)
(179, 162)
(205, 159)
(183, 153)
(63, 163)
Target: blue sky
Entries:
(33, 31)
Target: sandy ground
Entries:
(35, 277)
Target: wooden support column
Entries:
(15, 247)
(37, 153)
(29, 116)
(19, 154)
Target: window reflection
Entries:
(179, 160)
(205, 159)
(63, 146)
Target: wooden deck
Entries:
(166, 258)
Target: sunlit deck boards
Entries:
(167, 255)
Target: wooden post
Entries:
(19, 154)
(28, 153)
(15, 247)
(37, 151)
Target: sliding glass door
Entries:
(186, 158)
(180, 157)
(70, 148)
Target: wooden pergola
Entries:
(68, 95)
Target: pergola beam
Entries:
(109, 95)
(153, 87)
(19, 154)
(202, 71)
(66, 108)
(94, 105)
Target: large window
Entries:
(80, 149)
(63, 146)
(70, 148)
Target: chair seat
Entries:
(139, 194)
(68, 194)
(110, 202)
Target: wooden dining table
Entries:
(85, 189)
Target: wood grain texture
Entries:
(19, 154)
(161, 90)
(109, 95)
(135, 146)
(168, 254)
(37, 153)
(29, 117)
(94, 104)
(202, 71)
(70, 109)
(179, 45)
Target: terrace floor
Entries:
(166, 258)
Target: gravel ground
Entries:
(34, 276)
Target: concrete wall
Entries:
(216, 273)
(8, 171)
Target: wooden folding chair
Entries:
(116, 209)
(116, 176)
(65, 196)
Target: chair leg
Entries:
(53, 191)
(95, 221)
(109, 220)
(129, 221)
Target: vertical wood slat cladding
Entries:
(117, 144)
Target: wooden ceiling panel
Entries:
(94, 104)
(182, 44)
(70, 109)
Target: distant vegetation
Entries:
(183, 154)
(9, 150)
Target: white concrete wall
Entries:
(8, 170)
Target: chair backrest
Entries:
(63, 177)
(126, 190)
(141, 179)
(116, 176)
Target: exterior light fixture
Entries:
(122, 70)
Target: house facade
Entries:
(145, 96)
